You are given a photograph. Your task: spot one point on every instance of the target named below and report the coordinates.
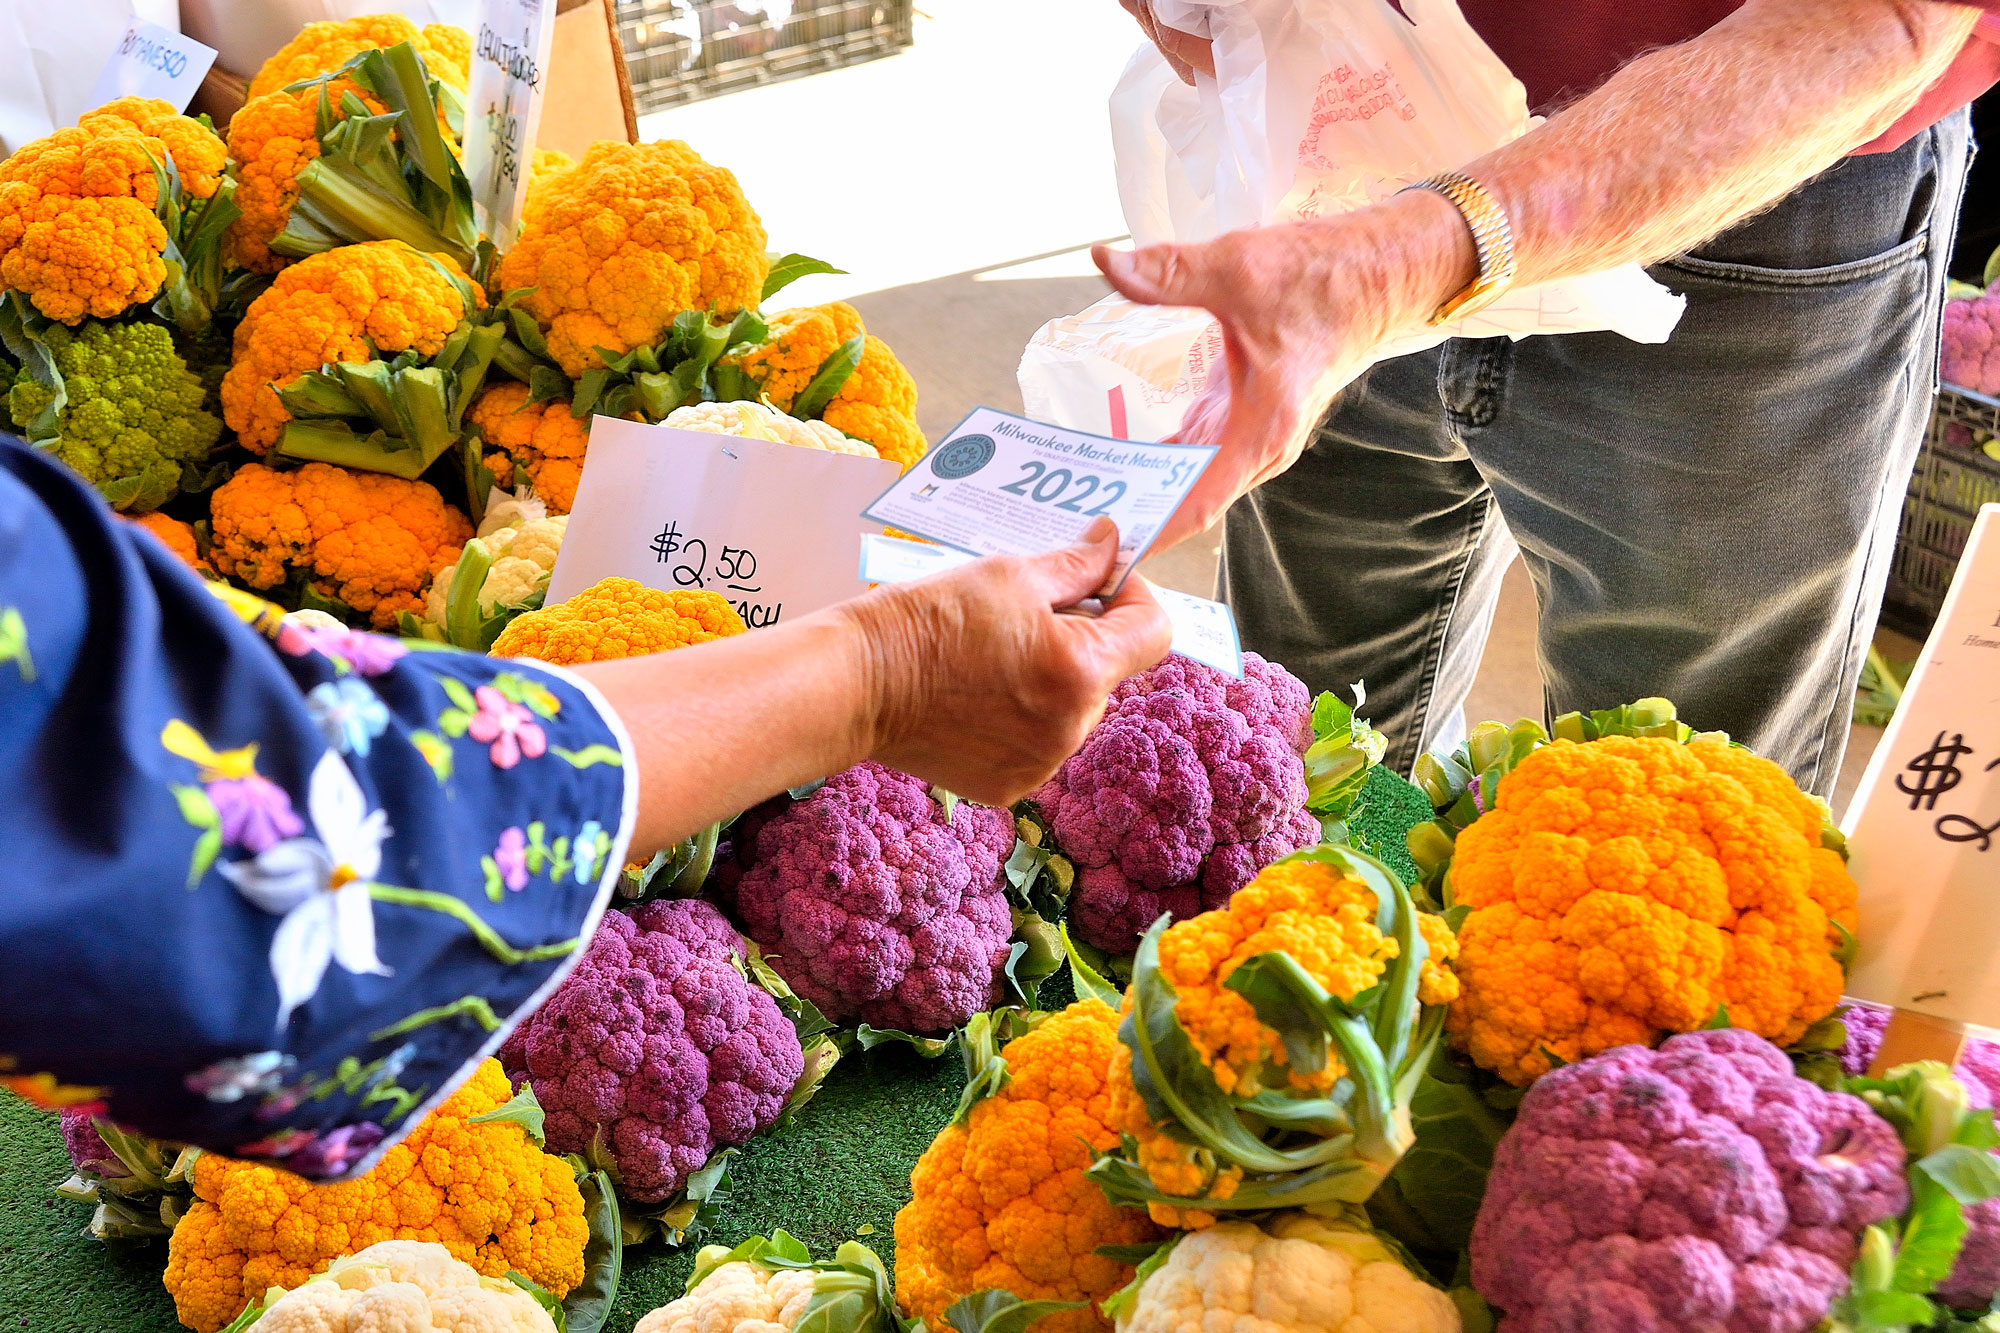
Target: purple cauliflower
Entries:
(87, 1149)
(1970, 352)
(1699, 1186)
(658, 1044)
(1192, 783)
(1975, 1277)
(875, 906)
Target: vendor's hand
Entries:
(976, 683)
(1303, 308)
(1185, 52)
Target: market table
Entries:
(838, 1172)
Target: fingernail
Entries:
(1101, 529)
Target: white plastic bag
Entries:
(1317, 107)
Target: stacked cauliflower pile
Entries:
(483, 1190)
(293, 290)
(1192, 783)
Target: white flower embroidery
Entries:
(320, 887)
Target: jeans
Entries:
(1710, 519)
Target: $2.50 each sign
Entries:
(770, 528)
(1925, 828)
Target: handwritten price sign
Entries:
(510, 60)
(733, 575)
(1925, 829)
(768, 527)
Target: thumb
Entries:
(1066, 576)
(1160, 274)
(1133, 633)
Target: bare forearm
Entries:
(720, 728)
(1685, 141)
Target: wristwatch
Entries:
(1492, 237)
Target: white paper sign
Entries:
(503, 109)
(1004, 485)
(1203, 630)
(151, 61)
(1924, 831)
(770, 527)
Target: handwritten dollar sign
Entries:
(1936, 771)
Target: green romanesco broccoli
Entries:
(133, 422)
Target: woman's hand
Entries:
(978, 685)
(969, 679)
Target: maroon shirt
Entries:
(1562, 51)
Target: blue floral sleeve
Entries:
(270, 890)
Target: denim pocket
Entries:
(1906, 252)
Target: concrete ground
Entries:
(961, 184)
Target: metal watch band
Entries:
(1492, 238)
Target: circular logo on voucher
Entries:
(963, 457)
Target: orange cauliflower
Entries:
(485, 1192)
(878, 403)
(1630, 887)
(78, 233)
(545, 168)
(320, 48)
(1322, 918)
(271, 139)
(176, 536)
(618, 618)
(367, 539)
(349, 304)
(1001, 1199)
(634, 235)
(543, 438)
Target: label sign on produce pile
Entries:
(1004, 485)
(151, 61)
(1924, 831)
(503, 108)
(770, 527)
(1203, 630)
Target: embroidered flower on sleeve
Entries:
(353, 649)
(509, 727)
(246, 809)
(320, 887)
(510, 858)
(348, 713)
(241, 1076)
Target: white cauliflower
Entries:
(523, 556)
(509, 509)
(403, 1286)
(756, 421)
(737, 1297)
(768, 1285)
(1297, 1274)
(313, 620)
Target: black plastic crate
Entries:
(1954, 477)
(680, 51)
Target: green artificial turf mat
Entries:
(842, 1165)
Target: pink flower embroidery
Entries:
(512, 856)
(256, 813)
(510, 728)
(369, 654)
